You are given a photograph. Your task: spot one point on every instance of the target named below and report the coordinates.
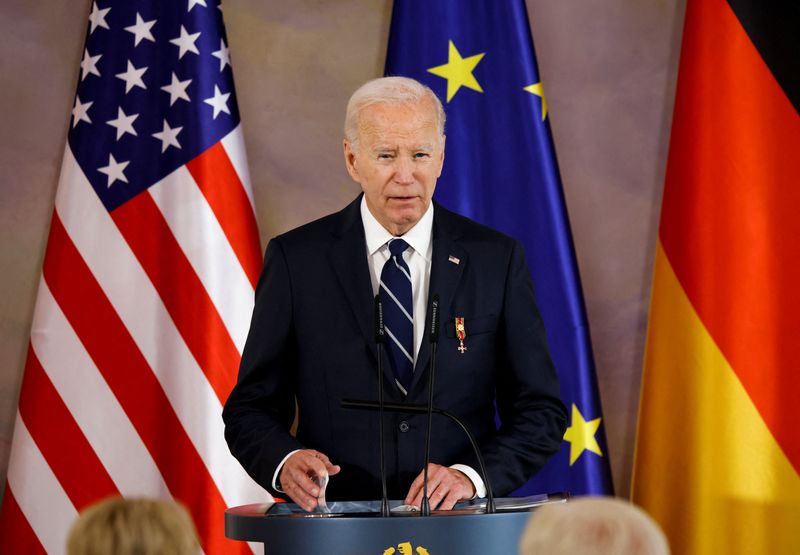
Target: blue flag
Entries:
(500, 169)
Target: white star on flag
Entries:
(193, 3)
(223, 54)
(114, 170)
(98, 17)
(185, 42)
(168, 136)
(132, 77)
(89, 64)
(80, 112)
(141, 30)
(177, 89)
(123, 123)
(219, 102)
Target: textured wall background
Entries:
(609, 74)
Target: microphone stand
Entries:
(358, 404)
(433, 338)
(380, 338)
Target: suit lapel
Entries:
(349, 260)
(445, 276)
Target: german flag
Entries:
(718, 445)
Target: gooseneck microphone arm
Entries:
(380, 338)
(423, 409)
(433, 338)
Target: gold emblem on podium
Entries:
(406, 548)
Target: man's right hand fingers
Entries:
(301, 497)
(329, 466)
(296, 475)
(303, 480)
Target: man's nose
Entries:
(404, 171)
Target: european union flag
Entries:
(501, 170)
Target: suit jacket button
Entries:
(403, 426)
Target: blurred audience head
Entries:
(592, 526)
(133, 527)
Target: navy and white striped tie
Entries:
(398, 314)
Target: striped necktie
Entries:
(398, 315)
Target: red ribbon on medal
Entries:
(461, 333)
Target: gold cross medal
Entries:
(461, 333)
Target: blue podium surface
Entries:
(356, 528)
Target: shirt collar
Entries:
(418, 237)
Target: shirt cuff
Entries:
(474, 477)
(275, 485)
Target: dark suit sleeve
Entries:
(533, 418)
(260, 410)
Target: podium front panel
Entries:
(438, 534)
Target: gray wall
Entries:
(609, 73)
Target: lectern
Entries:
(356, 528)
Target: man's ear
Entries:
(350, 160)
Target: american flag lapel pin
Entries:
(453, 259)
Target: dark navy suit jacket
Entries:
(312, 339)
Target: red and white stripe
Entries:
(140, 321)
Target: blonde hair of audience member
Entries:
(592, 526)
(133, 527)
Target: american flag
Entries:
(147, 284)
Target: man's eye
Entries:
(385, 156)
(421, 155)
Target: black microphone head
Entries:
(434, 331)
(380, 332)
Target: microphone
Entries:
(433, 339)
(380, 338)
(357, 404)
(380, 330)
(433, 336)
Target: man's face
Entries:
(397, 160)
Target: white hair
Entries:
(388, 90)
(592, 526)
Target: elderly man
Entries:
(311, 340)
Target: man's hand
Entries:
(295, 477)
(446, 487)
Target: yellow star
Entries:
(537, 89)
(581, 435)
(458, 71)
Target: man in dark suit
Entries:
(311, 340)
